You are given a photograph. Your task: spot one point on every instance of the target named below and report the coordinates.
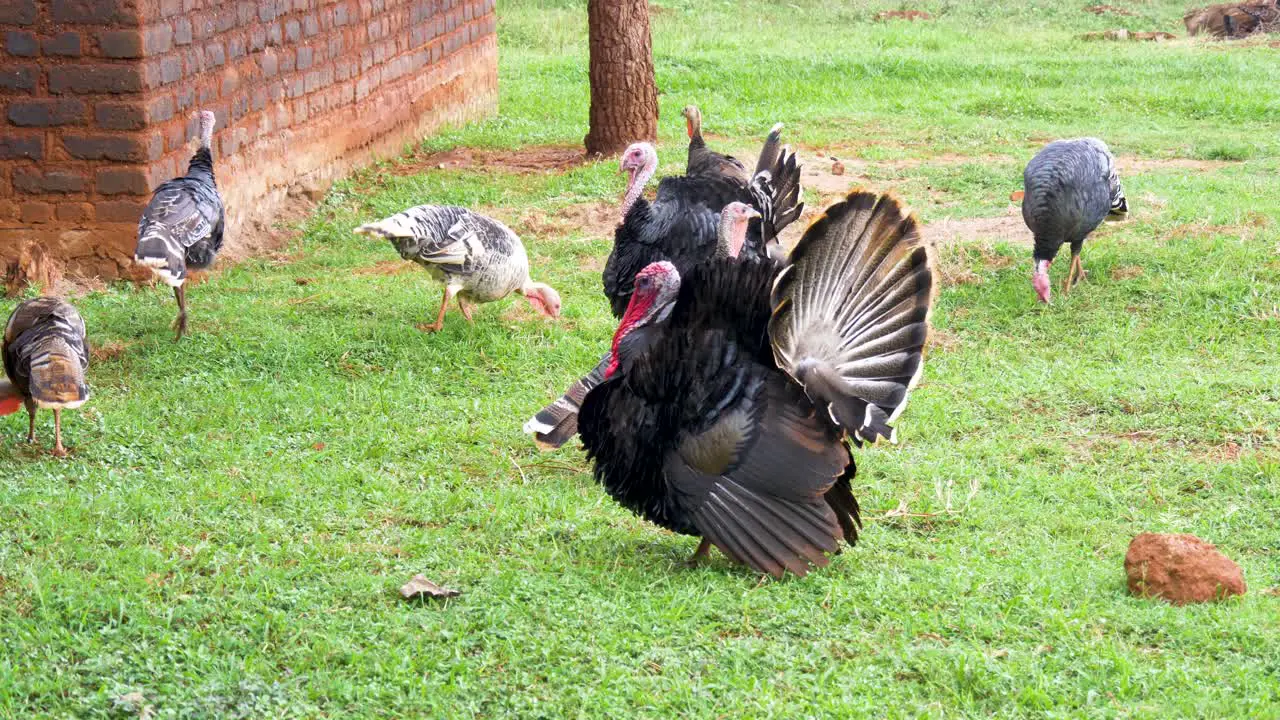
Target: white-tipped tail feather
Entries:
(851, 312)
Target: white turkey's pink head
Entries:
(639, 162)
(543, 298)
(1040, 279)
(732, 233)
(656, 288)
(207, 122)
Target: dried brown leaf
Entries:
(421, 587)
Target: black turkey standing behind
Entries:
(685, 225)
(181, 229)
(732, 391)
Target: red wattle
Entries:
(10, 404)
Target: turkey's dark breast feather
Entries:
(679, 226)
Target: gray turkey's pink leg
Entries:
(466, 310)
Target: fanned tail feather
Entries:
(163, 255)
(851, 312)
(776, 187)
(554, 424)
(57, 380)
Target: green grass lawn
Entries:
(228, 535)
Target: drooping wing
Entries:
(698, 437)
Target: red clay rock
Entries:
(1181, 569)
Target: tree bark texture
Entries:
(624, 99)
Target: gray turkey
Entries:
(478, 259)
(554, 424)
(1069, 187)
(45, 355)
(181, 228)
(707, 162)
(735, 388)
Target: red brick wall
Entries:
(96, 98)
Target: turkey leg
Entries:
(466, 310)
(702, 553)
(58, 450)
(1075, 273)
(180, 324)
(31, 419)
(449, 292)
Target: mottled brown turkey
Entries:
(46, 353)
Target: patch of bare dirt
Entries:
(542, 158)
(911, 15)
(1133, 164)
(1123, 35)
(1105, 9)
(1126, 272)
(594, 220)
(108, 351)
(1008, 227)
(386, 267)
(942, 340)
(1244, 230)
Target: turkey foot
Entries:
(180, 323)
(58, 449)
(702, 553)
(466, 310)
(439, 323)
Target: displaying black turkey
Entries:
(703, 161)
(1069, 188)
(181, 228)
(734, 387)
(45, 355)
(476, 257)
(554, 424)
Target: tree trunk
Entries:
(624, 99)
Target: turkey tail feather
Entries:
(776, 187)
(57, 380)
(851, 312)
(557, 422)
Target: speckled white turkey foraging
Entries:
(1070, 187)
(181, 228)
(477, 258)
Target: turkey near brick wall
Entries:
(46, 353)
(181, 228)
